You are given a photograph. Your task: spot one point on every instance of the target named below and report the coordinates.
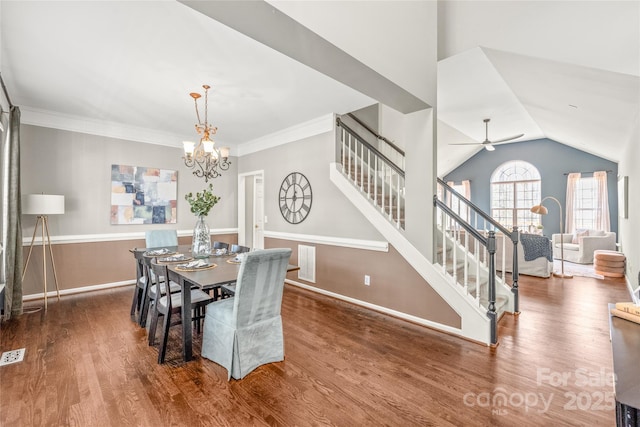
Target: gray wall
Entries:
(630, 227)
(331, 213)
(78, 166)
(552, 159)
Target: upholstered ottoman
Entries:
(609, 263)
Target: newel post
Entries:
(491, 313)
(515, 237)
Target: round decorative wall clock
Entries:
(295, 198)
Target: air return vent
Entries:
(307, 263)
(13, 356)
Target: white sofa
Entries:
(582, 252)
(540, 267)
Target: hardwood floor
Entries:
(88, 364)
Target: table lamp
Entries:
(43, 205)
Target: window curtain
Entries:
(603, 221)
(11, 257)
(466, 185)
(448, 201)
(466, 192)
(570, 202)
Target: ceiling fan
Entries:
(488, 144)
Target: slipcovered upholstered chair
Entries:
(245, 332)
(168, 304)
(579, 247)
(161, 238)
(229, 289)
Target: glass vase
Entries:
(201, 242)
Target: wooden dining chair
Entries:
(220, 245)
(149, 291)
(244, 332)
(237, 249)
(141, 284)
(169, 304)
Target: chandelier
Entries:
(204, 158)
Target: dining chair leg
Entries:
(165, 337)
(198, 318)
(136, 300)
(144, 308)
(152, 327)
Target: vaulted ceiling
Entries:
(565, 70)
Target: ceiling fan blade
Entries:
(464, 143)
(498, 141)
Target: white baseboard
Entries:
(52, 294)
(378, 308)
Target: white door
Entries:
(258, 213)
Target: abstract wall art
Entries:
(142, 195)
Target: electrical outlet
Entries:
(13, 356)
(367, 280)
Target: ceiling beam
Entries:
(267, 25)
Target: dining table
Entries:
(222, 269)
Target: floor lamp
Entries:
(541, 210)
(43, 205)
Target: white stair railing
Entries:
(378, 178)
(482, 223)
(450, 228)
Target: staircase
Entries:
(463, 272)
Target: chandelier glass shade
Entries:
(206, 160)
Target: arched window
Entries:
(515, 188)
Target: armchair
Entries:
(582, 252)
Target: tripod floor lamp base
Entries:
(563, 275)
(43, 205)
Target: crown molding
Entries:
(54, 120)
(67, 122)
(300, 131)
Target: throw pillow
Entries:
(578, 235)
